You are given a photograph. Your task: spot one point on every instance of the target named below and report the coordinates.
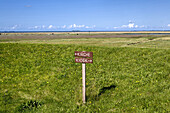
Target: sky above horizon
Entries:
(85, 15)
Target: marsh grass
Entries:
(104, 40)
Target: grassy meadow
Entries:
(102, 40)
(127, 75)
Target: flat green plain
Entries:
(104, 40)
(127, 75)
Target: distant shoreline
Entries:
(73, 31)
(84, 32)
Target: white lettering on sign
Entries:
(83, 54)
(83, 60)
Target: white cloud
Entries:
(79, 26)
(142, 26)
(168, 25)
(124, 26)
(87, 27)
(130, 26)
(130, 21)
(136, 26)
(76, 26)
(35, 27)
(43, 26)
(38, 27)
(50, 26)
(70, 26)
(64, 26)
(14, 27)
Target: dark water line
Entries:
(91, 32)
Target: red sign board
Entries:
(83, 54)
(83, 60)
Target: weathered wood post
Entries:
(84, 81)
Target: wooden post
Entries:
(84, 81)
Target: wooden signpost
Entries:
(81, 58)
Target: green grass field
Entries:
(42, 76)
(105, 40)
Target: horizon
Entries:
(155, 31)
(89, 15)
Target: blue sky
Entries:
(66, 15)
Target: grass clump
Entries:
(29, 106)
